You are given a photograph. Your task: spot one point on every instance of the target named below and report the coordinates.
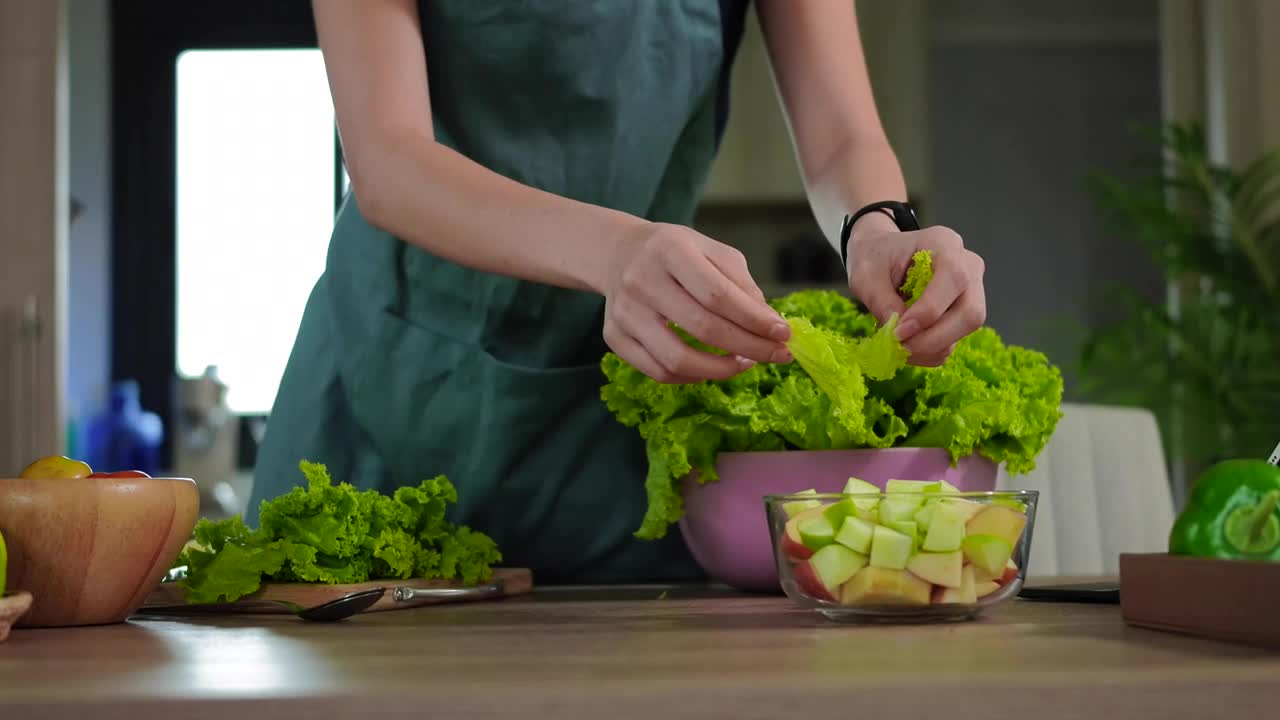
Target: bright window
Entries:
(255, 207)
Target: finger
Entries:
(629, 349)
(733, 264)
(678, 358)
(713, 290)
(714, 330)
(967, 314)
(950, 280)
(931, 360)
(874, 281)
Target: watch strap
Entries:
(903, 215)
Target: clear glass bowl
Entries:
(917, 555)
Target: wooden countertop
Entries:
(629, 653)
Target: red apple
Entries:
(807, 578)
(120, 474)
(792, 545)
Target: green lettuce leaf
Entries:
(918, 276)
(333, 533)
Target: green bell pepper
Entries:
(1233, 513)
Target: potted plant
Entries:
(1207, 362)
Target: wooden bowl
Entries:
(89, 550)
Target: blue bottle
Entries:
(124, 436)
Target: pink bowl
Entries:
(725, 525)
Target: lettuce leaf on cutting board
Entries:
(334, 533)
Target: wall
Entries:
(33, 226)
(1028, 101)
(89, 320)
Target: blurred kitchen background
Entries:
(169, 174)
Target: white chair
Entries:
(1104, 489)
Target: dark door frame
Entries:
(147, 36)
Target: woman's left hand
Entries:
(953, 305)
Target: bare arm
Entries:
(433, 197)
(428, 194)
(846, 162)
(845, 157)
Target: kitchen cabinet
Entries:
(33, 229)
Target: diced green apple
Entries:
(970, 508)
(1016, 505)
(938, 568)
(908, 528)
(856, 534)
(946, 529)
(884, 586)
(795, 507)
(912, 486)
(838, 511)
(865, 505)
(1006, 574)
(987, 552)
(890, 549)
(816, 532)
(947, 488)
(896, 508)
(835, 564)
(999, 521)
(924, 516)
(966, 594)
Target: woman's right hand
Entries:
(664, 273)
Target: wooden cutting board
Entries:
(1230, 600)
(508, 582)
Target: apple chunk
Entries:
(869, 493)
(984, 589)
(856, 534)
(794, 507)
(822, 575)
(890, 549)
(966, 594)
(943, 569)
(884, 586)
(1004, 577)
(998, 520)
(792, 544)
(987, 552)
(816, 532)
(946, 529)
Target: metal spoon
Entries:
(343, 607)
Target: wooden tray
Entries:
(1231, 600)
(504, 583)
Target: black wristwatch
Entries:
(904, 216)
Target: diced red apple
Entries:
(885, 586)
(987, 552)
(828, 569)
(807, 578)
(984, 589)
(966, 594)
(791, 542)
(1004, 577)
(998, 520)
(945, 569)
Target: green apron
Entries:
(407, 365)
